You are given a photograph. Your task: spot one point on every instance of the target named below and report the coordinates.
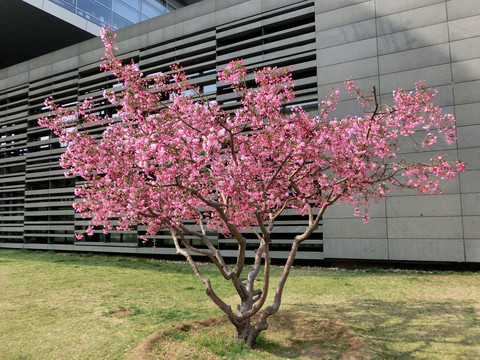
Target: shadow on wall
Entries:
(394, 44)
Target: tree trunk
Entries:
(246, 334)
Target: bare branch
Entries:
(257, 234)
(273, 218)
(375, 110)
(309, 208)
(218, 258)
(282, 164)
(208, 286)
(194, 249)
(261, 225)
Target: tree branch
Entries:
(260, 300)
(282, 164)
(208, 286)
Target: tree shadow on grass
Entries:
(410, 329)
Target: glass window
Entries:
(67, 4)
(136, 4)
(106, 3)
(94, 9)
(119, 22)
(126, 11)
(209, 88)
(96, 21)
(152, 8)
(71, 2)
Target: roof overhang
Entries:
(32, 28)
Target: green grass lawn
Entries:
(81, 306)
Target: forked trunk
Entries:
(246, 334)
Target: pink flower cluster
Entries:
(170, 156)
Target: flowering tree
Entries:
(171, 157)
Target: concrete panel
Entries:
(471, 225)
(36, 3)
(200, 23)
(462, 8)
(158, 22)
(425, 227)
(268, 5)
(92, 28)
(472, 250)
(444, 97)
(344, 16)
(466, 70)
(425, 205)
(197, 10)
(347, 52)
(407, 20)
(413, 39)
(344, 210)
(412, 144)
(464, 28)
(347, 101)
(446, 187)
(414, 59)
(66, 65)
(357, 69)
(161, 35)
(386, 7)
(322, 6)
(41, 72)
(354, 228)
(16, 69)
(237, 12)
(14, 80)
(467, 114)
(346, 107)
(223, 4)
(85, 46)
(465, 49)
(368, 249)
(468, 136)
(91, 57)
(11, 245)
(468, 92)
(471, 204)
(426, 249)
(434, 76)
(346, 34)
(128, 32)
(470, 181)
(471, 157)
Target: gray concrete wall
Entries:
(393, 44)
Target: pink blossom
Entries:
(170, 156)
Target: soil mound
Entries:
(302, 337)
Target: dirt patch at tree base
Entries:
(289, 335)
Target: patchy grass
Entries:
(82, 306)
(292, 337)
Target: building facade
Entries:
(118, 13)
(388, 43)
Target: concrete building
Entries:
(30, 28)
(388, 43)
